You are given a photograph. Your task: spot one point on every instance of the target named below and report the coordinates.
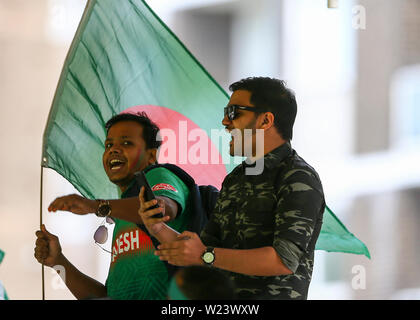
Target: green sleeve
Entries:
(165, 183)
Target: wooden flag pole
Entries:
(40, 226)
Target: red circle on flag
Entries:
(196, 155)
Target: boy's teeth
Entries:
(116, 164)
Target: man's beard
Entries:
(240, 151)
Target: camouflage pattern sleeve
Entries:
(289, 253)
(300, 199)
(210, 235)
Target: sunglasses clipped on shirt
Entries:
(232, 111)
(101, 234)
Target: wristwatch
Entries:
(104, 209)
(208, 256)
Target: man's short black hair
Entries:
(273, 96)
(150, 129)
(206, 283)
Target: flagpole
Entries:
(40, 222)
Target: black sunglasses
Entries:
(232, 111)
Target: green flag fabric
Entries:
(3, 293)
(335, 237)
(123, 58)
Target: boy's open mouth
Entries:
(116, 164)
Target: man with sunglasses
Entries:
(264, 227)
(135, 272)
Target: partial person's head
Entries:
(201, 283)
(130, 146)
(271, 107)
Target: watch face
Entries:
(103, 210)
(208, 257)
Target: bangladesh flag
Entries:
(125, 59)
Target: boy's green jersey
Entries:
(135, 272)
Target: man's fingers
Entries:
(60, 206)
(53, 205)
(66, 203)
(149, 204)
(175, 263)
(161, 203)
(57, 204)
(141, 195)
(38, 257)
(187, 235)
(170, 245)
(141, 198)
(163, 258)
(152, 212)
(144, 208)
(172, 260)
(172, 252)
(166, 255)
(158, 220)
(47, 234)
(44, 230)
(41, 253)
(41, 242)
(41, 248)
(40, 234)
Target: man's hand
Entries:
(75, 204)
(153, 225)
(47, 248)
(185, 251)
